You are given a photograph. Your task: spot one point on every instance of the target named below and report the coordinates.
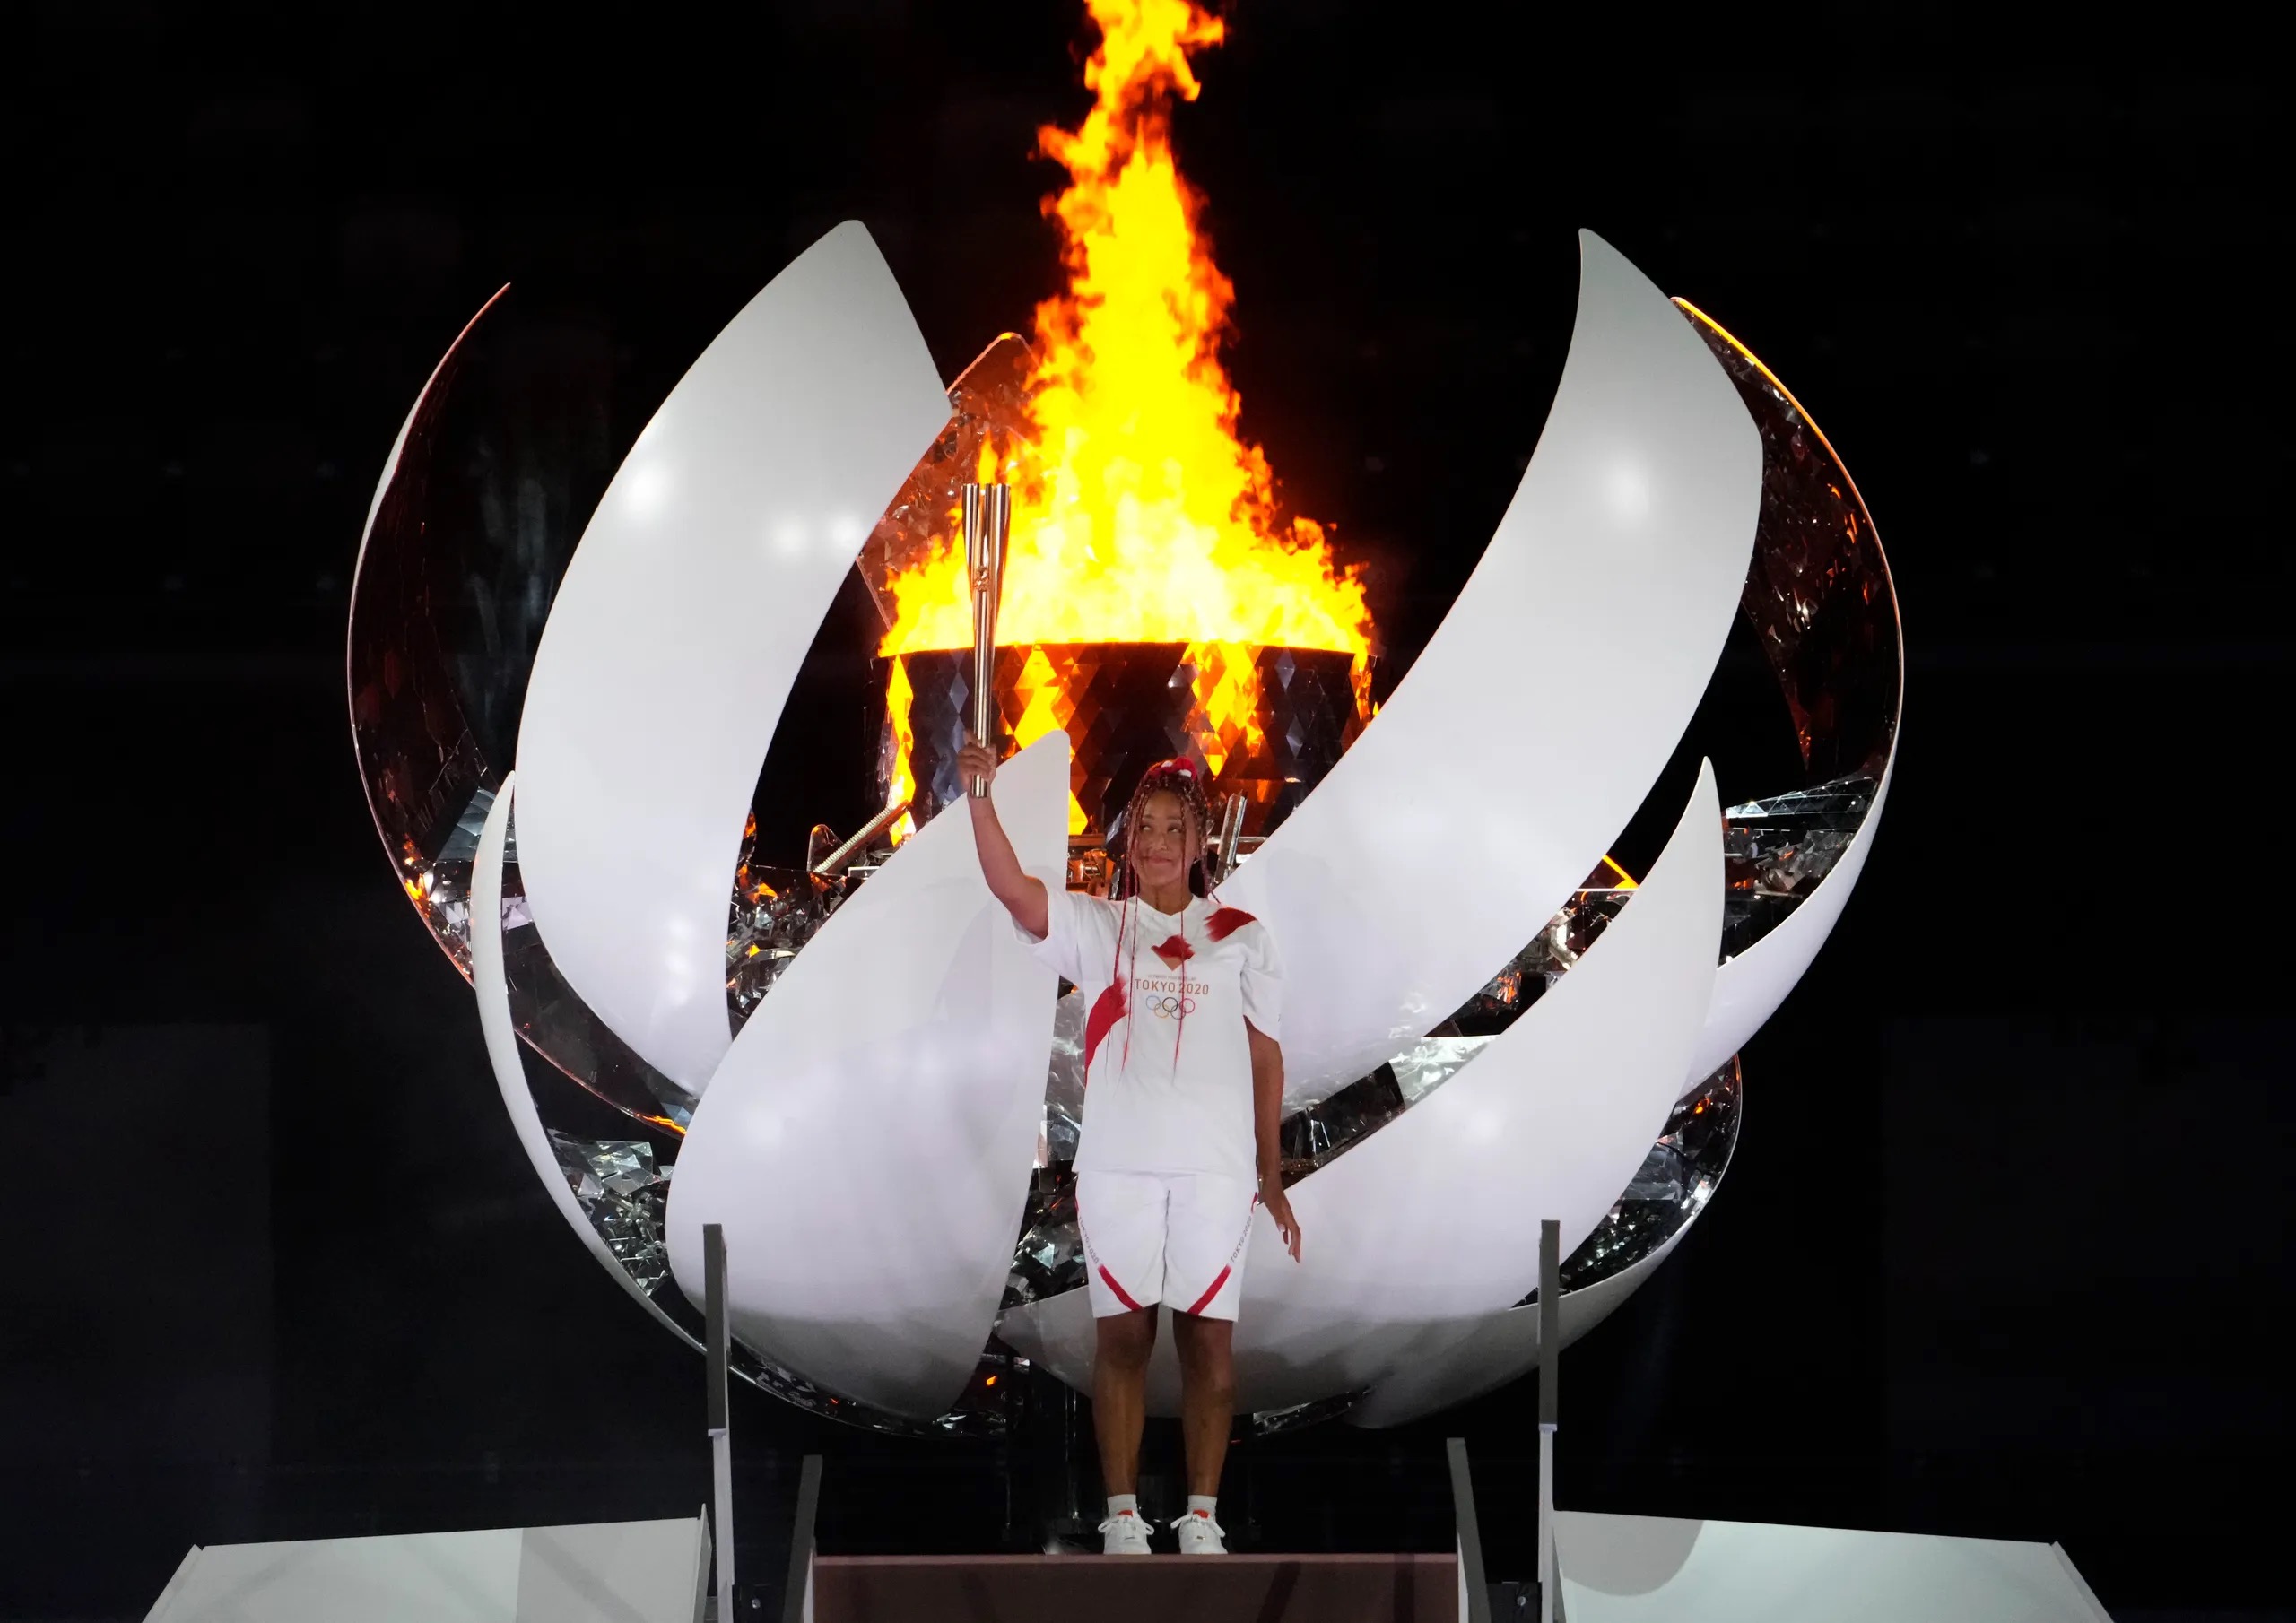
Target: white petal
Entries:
(1542, 710)
(675, 637)
(867, 1141)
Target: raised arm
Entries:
(1267, 1121)
(1023, 897)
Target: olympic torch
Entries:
(988, 515)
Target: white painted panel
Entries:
(1656, 1569)
(439, 1578)
(611, 1572)
(1524, 737)
(1749, 988)
(678, 631)
(492, 984)
(1499, 1349)
(1417, 1235)
(867, 1143)
(184, 1569)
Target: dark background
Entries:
(2002, 1249)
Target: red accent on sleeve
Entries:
(1226, 921)
(1107, 1009)
(1174, 950)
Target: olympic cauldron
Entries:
(1126, 705)
(1270, 723)
(1263, 719)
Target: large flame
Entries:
(1138, 515)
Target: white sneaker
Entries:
(1125, 1534)
(1200, 1535)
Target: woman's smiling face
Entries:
(1166, 841)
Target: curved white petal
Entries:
(1433, 1222)
(867, 1141)
(1749, 987)
(1545, 706)
(1490, 1352)
(678, 631)
(491, 982)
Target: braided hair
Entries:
(1181, 777)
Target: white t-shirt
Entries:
(1161, 1095)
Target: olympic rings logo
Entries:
(1165, 1008)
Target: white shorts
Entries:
(1175, 1238)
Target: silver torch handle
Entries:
(989, 517)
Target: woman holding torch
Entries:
(1184, 1090)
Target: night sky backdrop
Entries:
(2003, 1242)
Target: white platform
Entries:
(608, 1572)
(1654, 1569)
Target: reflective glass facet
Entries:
(1776, 850)
(623, 1192)
(1818, 592)
(1676, 1179)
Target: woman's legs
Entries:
(1120, 1394)
(1207, 1396)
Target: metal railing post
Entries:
(721, 1439)
(1550, 1352)
(1474, 1591)
(798, 1591)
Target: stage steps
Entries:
(1119, 1589)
